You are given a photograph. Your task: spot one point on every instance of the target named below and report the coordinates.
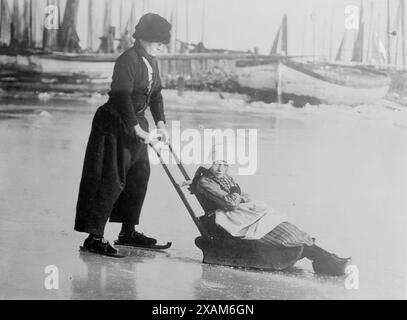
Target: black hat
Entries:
(153, 28)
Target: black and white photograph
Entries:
(203, 150)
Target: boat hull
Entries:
(298, 83)
(301, 85)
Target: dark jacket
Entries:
(213, 194)
(129, 94)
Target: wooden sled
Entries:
(219, 247)
(222, 248)
(247, 254)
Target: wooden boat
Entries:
(283, 77)
(41, 82)
(43, 59)
(333, 84)
(313, 83)
(82, 72)
(60, 63)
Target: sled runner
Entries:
(218, 247)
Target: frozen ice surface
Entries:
(338, 172)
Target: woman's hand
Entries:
(237, 198)
(162, 131)
(185, 183)
(144, 136)
(246, 198)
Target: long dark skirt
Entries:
(115, 174)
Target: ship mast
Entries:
(108, 17)
(403, 31)
(90, 26)
(341, 46)
(1, 18)
(280, 39)
(187, 21)
(30, 26)
(121, 17)
(68, 39)
(331, 35)
(4, 21)
(173, 18)
(388, 33)
(14, 26)
(284, 39)
(397, 34)
(274, 47)
(175, 36)
(313, 17)
(370, 35)
(49, 41)
(144, 7)
(132, 19)
(357, 55)
(203, 22)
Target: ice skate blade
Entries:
(112, 255)
(155, 247)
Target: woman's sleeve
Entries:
(156, 101)
(157, 106)
(211, 190)
(124, 75)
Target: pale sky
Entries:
(245, 24)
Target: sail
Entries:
(396, 30)
(377, 49)
(403, 32)
(131, 23)
(91, 31)
(284, 42)
(4, 23)
(388, 40)
(50, 35)
(68, 39)
(126, 36)
(37, 21)
(280, 39)
(107, 21)
(27, 23)
(14, 26)
(357, 55)
(274, 48)
(172, 44)
(339, 55)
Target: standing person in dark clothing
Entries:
(116, 168)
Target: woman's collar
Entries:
(141, 51)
